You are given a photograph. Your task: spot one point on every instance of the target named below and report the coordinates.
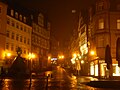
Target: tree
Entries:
(108, 58)
(118, 51)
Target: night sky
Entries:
(59, 12)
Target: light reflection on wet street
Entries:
(59, 81)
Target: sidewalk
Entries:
(105, 83)
(85, 79)
(113, 83)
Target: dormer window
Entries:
(16, 15)
(20, 17)
(24, 19)
(12, 12)
(100, 6)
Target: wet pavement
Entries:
(60, 80)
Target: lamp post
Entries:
(31, 56)
(76, 59)
(61, 58)
(7, 62)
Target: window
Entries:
(20, 38)
(101, 23)
(20, 17)
(24, 29)
(17, 37)
(8, 33)
(24, 39)
(16, 15)
(7, 45)
(24, 19)
(24, 51)
(100, 6)
(17, 25)
(118, 24)
(12, 12)
(8, 21)
(13, 23)
(28, 41)
(40, 19)
(28, 30)
(21, 27)
(100, 41)
(13, 35)
(12, 47)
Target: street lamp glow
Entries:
(8, 54)
(72, 61)
(31, 55)
(74, 55)
(82, 61)
(62, 56)
(92, 53)
(49, 57)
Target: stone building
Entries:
(103, 30)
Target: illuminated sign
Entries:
(53, 58)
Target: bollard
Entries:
(47, 83)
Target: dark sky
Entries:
(59, 12)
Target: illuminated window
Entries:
(12, 12)
(96, 70)
(20, 17)
(24, 19)
(118, 24)
(16, 15)
(101, 23)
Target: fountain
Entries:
(18, 68)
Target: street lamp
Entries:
(92, 53)
(31, 56)
(75, 60)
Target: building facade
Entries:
(40, 40)
(97, 28)
(103, 29)
(29, 31)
